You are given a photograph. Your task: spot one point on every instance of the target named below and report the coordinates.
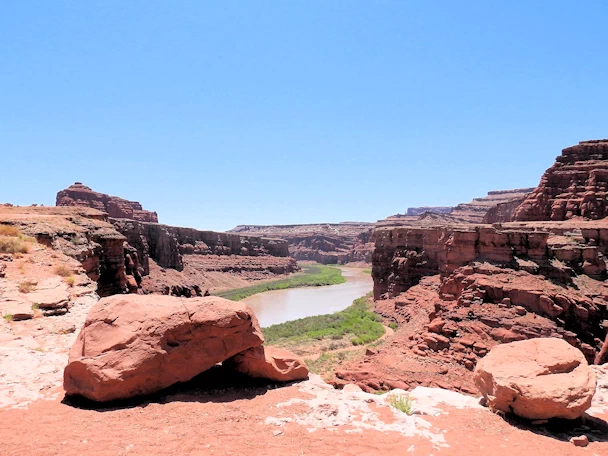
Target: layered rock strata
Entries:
(328, 243)
(458, 290)
(575, 186)
(81, 195)
(476, 210)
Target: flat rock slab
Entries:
(19, 309)
(50, 294)
(133, 345)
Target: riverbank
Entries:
(325, 341)
(312, 275)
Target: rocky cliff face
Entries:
(327, 243)
(575, 186)
(167, 245)
(81, 195)
(458, 290)
(475, 211)
(81, 233)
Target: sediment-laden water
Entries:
(278, 306)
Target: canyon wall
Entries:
(475, 211)
(81, 195)
(167, 245)
(326, 243)
(575, 186)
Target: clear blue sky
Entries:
(264, 112)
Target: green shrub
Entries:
(402, 403)
(356, 321)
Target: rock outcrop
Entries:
(537, 379)
(133, 345)
(270, 363)
(81, 195)
(326, 243)
(476, 210)
(80, 233)
(167, 245)
(575, 186)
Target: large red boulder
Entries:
(132, 345)
(269, 362)
(536, 379)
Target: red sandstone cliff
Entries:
(575, 186)
(81, 195)
(476, 210)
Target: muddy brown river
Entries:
(279, 306)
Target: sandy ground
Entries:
(200, 418)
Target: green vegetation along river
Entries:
(279, 306)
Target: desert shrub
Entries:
(70, 280)
(8, 317)
(402, 403)
(9, 230)
(15, 245)
(13, 241)
(63, 270)
(27, 287)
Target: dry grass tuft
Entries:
(9, 230)
(13, 241)
(70, 280)
(28, 286)
(63, 270)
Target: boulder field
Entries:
(133, 345)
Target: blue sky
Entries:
(264, 112)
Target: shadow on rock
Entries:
(594, 428)
(218, 384)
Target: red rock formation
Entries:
(475, 211)
(536, 379)
(132, 345)
(81, 195)
(271, 363)
(575, 186)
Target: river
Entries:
(279, 306)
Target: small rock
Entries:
(580, 441)
(276, 432)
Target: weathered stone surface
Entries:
(575, 186)
(81, 195)
(132, 345)
(269, 362)
(536, 379)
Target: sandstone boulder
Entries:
(536, 379)
(132, 345)
(270, 363)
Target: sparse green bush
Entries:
(8, 317)
(402, 403)
(70, 280)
